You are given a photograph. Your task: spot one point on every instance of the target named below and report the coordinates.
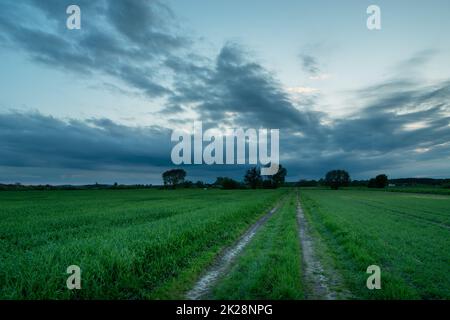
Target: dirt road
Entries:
(320, 283)
(219, 268)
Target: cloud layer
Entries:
(401, 126)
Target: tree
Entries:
(279, 177)
(276, 180)
(380, 181)
(337, 178)
(253, 177)
(200, 184)
(188, 184)
(174, 177)
(267, 184)
(227, 183)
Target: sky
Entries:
(99, 104)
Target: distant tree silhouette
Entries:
(227, 183)
(380, 181)
(276, 180)
(173, 177)
(267, 184)
(188, 184)
(279, 177)
(253, 178)
(337, 178)
(200, 184)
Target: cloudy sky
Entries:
(99, 104)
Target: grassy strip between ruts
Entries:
(269, 268)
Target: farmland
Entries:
(270, 267)
(423, 189)
(130, 244)
(407, 235)
(156, 244)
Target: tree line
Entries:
(252, 180)
(336, 179)
(176, 178)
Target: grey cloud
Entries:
(136, 42)
(238, 91)
(145, 24)
(376, 138)
(171, 109)
(35, 140)
(128, 39)
(309, 64)
(416, 61)
(380, 129)
(35, 148)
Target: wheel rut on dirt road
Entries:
(320, 283)
(222, 264)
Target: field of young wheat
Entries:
(157, 244)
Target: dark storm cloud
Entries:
(128, 39)
(41, 149)
(235, 90)
(35, 140)
(145, 23)
(137, 42)
(399, 125)
(172, 109)
(379, 138)
(382, 126)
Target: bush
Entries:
(337, 178)
(227, 183)
(380, 181)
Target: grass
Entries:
(269, 267)
(407, 235)
(407, 189)
(425, 189)
(130, 244)
(154, 244)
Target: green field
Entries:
(406, 234)
(130, 244)
(155, 244)
(426, 190)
